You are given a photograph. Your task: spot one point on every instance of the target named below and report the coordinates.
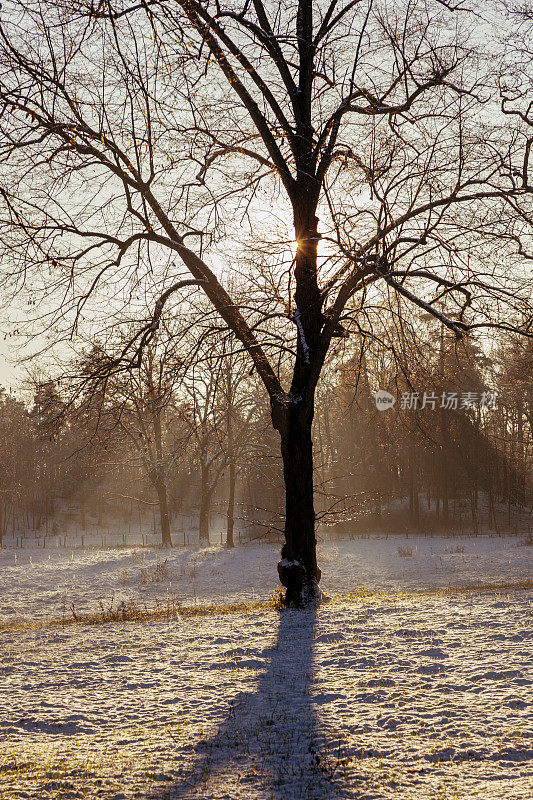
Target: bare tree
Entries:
(138, 404)
(219, 410)
(134, 130)
(242, 418)
(18, 467)
(204, 417)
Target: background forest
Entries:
(182, 447)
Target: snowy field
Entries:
(46, 583)
(411, 695)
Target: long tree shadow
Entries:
(270, 744)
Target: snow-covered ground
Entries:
(411, 696)
(44, 583)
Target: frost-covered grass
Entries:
(416, 694)
(42, 583)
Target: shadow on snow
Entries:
(270, 744)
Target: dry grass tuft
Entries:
(132, 611)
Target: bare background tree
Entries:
(137, 403)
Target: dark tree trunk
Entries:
(232, 465)
(473, 510)
(490, 495)
(444, 437)
(83, 516)
(414, 498)
(205, 503)
(231, 504)
(292, 415)
(166, 539)
(160, 480)
(522, 460)
(298, 569)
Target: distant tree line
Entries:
(187, 432)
